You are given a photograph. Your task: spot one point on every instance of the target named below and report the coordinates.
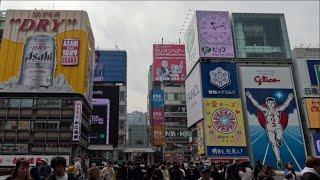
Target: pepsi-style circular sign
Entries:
(224, 120)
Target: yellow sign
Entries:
(313, 109)
(223, 121)
(200, 138)
(47, 51)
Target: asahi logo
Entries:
(42, 21)
(265, 79)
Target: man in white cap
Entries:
(45, 168)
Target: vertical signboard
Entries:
(158, 135)
(157, 98)
(224, 128)
(157, 117)
(200, 138)
(316, 141)
(99, 121)
(219, 80)
(313, 110)
(169, 62)
(77, 121)
(215, 35)
(194, 97)
(47, 51)
(273, 117)
(192, 44)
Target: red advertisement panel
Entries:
(70, 52)
(169, 62)
(158, 117)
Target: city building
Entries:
(2, 18)
(239, 73)
(166, 103)
(137, 118)
(306, 68)
(45, 105)
(108, 119)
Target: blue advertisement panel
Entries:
(157, 98)
(219, 80)
(275, 132)
(316, 141)
(110, 66)
(314, 72)
(226, 151)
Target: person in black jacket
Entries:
(232, 171)
(312, 169)
(175, 173)
(59, 169)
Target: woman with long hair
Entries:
(289, 173)
(20, 171)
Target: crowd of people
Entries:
(57, 170)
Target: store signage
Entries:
(77, 121)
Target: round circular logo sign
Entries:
(224, 120)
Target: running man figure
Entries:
(273, 127)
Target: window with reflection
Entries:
(3, 103)
(24, 125)
(42, 103)
(26, 103)
(11, 125)
(55, 103)
(14, 103)
(66, 103)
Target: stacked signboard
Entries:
(243, 100)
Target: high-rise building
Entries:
(108, 120)
(166, 102)
(137, 118)
(45, 84)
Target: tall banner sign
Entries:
(224, 128)
(313, 110)
(194, 97)
(316, 141)
(169, 62)
(47, 51)
(157, 98)
(200, 138)
(77, 121)
(273, 117)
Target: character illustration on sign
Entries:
(98, 67)
(220, 78)
(166, 72)
(273, 121)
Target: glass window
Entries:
(66, 103)
(170, 96)
(26, 102)
(2, 124)
(39, 125)
(23, 124)
(52, 126)
(42, 103)
(55, 103)
(3, 103)
(176, 96)
(11, 125)
(14, 103)
(65, 126)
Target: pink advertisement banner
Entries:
(158, 117)
(169, 62)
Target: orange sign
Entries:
(313, 109)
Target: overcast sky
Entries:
(135, 26)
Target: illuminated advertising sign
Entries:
(110, 66)
(99, 121)
(224, 126)
(169, 62)
(219, 80)
(314, 72)
(157, 116)
(40, 52)
(316, 140)
(158, 135)
(157, 98)
(273, 117)
(194, 97)
(313, 110)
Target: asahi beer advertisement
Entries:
(169, 62)
(215, 35)
(47, 51)
(219, 80)
(224, 127)
(273, 117)
(99, 121)
(194, 97)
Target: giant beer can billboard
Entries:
(47, 51)
(273, 115)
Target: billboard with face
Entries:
(99, 121)
(47, 51)
(219, 80)
(224, 127)
(169, 62)
(215, 35)
(106, 99)
(273, 116)
(194, 97)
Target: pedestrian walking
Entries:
(232, 171)
(20, 171)
(257, 169)
(289, 172)
(205, 172)
(312, 169)
(59, 170)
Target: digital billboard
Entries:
(110, 66)
(194, 97)
(99, 121)
(169, 62)
(106, 94)
(224, 126)
(219, 80)
(47, 51)
(273, 116)
(215, 35)
(313, 112)
(307, 75)
(316, 141)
